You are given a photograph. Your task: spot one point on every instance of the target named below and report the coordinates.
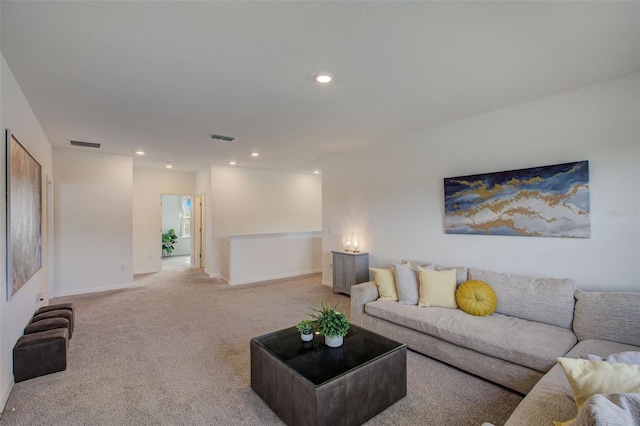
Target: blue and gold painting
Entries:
(549, 201)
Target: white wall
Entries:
(16, 114)
(245, 201)
(148, 186)
(93, 221)
(262, 257)
(393, 191)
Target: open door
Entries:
(198, 232)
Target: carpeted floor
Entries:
(174, 350)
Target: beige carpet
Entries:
(174, 350)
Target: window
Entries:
(185, 217)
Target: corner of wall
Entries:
(6, 391)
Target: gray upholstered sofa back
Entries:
(461, 271)
(613, 316)
(545, 300)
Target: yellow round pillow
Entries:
(476, 298)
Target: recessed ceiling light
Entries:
(232, 163)
(255, 154)
(316, 172)
(168, 166)
(140, 152)
(323, 78)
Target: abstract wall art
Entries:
(24, 215)
(549, 201)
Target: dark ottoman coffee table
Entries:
(309, 383)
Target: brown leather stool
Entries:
(41, 353)
(59, 313)
(68, 306)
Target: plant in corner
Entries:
(168, 242)
(331, 323)
(305, 328)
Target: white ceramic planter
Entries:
(333, 342)
(306, 337)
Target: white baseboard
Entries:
(274, 277)
(4, 397)
(214, 274)
(92, 290)
(327, 283)
(146, 271)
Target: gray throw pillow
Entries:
(407, 284)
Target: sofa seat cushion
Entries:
(527, 343)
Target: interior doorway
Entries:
(176, 231)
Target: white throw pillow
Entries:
(407, 284)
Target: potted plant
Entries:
(305, 328)
(168, 242)
(332, 324)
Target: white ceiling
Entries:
(164, 76)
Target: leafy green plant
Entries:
(168, 241)
(330, 321)
(305, 327)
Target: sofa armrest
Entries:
(361, 294)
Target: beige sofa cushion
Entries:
(527, 343)
(608, 315)
(545, 300)
(461, 271)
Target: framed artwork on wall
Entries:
(548, 201)
(24, 214)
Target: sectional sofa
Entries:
(536, 321)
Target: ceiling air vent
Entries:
(85, 144)
(222, 137)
